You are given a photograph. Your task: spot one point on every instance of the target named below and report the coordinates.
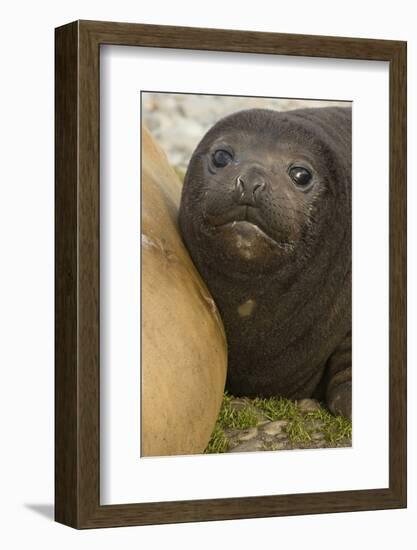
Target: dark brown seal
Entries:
(266, 216)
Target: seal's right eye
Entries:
(300, 176)
(221, 158)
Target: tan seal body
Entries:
(184, 353)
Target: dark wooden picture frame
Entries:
(77, 360)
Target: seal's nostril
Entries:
(239, 185)
(260, 186)
(247, 191)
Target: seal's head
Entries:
(262, 189)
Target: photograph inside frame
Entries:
(246, 270)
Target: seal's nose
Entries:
(249, 189)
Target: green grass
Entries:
(335, 428)
(230, 418)
(218, 442)
(276, 408)
(300, 427)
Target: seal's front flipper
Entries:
(339, 399)
(339, 379)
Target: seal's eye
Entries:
(300, 176)
(221, 158)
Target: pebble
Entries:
(316, 424)
(274, 428)
(248, 434)
(279, 445)
(308, 405)
(253, 445)
(238, 404)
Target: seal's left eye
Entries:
(221, 158)
(300, 176)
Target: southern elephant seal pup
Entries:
(266, 216)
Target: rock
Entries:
(318, 436)
(184, 351)
(274, 428)
(308, 405)
(279, 445)
(246, 435)
(239, 404)
(316, 424)
(263, 422)
(247, 446)
(232, 433)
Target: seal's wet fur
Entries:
(285, 293)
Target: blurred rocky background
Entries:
(179, 121)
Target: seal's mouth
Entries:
(247, 227)
(239, 215)
(245, 222)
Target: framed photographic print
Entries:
(230, 274)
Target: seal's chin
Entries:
(246, 241)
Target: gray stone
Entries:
(308, 405)
(247, 446)
(274, 428)
(278, 446)
(231, 433)
(316, 424)
(248, 434)
(318, 436)
(239, 404)
(263, 423)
